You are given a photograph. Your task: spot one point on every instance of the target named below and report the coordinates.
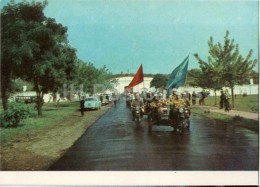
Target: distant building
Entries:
(124, 81)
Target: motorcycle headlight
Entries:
(181, 109)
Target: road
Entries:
(114, 143)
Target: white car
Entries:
(92, 102)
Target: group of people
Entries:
(224, 100)
(201, 95)
(156, 102)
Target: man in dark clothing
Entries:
(222, 98)
(82, 101)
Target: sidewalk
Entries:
(247, 115)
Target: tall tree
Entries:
(14, 43)
(226, 65)
(209, 77)
(36, 49)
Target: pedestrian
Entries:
(203, 96)
(222, 98)
(200, 98)
(227, 101)
(193, 96)
(82, 101)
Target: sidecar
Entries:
(159, 117)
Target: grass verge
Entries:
(249, 103)
(41, 141)
(222, 118)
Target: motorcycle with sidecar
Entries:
(167, 116)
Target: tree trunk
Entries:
(4, 101)
(39, 103)
(4, 92)
(232, 94)
(54, 97)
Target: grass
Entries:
(222, 118)
(249, 103)
(51, 116)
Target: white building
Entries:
(250, 89)
(125, 81)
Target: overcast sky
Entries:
(122, 34)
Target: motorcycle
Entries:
(137, 114)
(183, 120)
(159, 117)
(178, 118)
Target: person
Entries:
(137, 102)
(193, 96)
(184, 99)
(222, 98)
(203, 96)
(173, 96)
(82, 101)
(176, 104)
(188, 95)
(154, 108)
(115, 99)
(227, 101)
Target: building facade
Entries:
(122, 82)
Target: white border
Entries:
(130, 178)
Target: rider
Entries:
(154, 106)
(185, 101)
(173, 96)
(137, 102)
(176, 102)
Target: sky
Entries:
(159, 34)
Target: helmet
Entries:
(174, 90)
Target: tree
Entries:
(193, 77)
(209, 75)
(226, 66)
(255, 77)
(159, 81)
(35, 48)
(14, 44)
(87, 75)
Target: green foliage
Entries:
(19, 83)
(159, 81)
(88, 75)
(15, 114)
(193, 78)
(255, 77)
(34, 48)
(225, 65)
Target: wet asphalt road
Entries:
(114, 143)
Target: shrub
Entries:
(15, 114)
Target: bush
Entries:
(15, 114)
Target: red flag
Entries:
(138, 78)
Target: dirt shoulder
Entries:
(38, 149)
(246, 115)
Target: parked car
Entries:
(92, 103)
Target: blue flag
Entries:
(178, 76)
